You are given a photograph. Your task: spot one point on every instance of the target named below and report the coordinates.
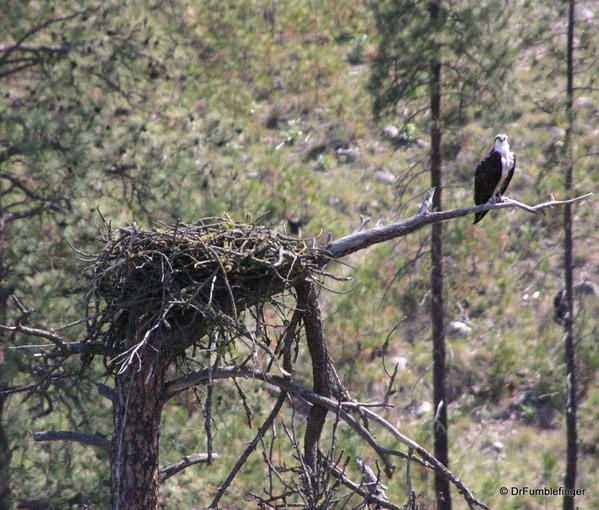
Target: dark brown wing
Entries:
(486, 177)
(506, 183)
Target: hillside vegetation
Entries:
(173, 111)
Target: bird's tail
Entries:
(479, 216)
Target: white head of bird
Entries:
(501, 144)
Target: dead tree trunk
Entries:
(322, 376)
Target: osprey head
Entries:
(501, 144)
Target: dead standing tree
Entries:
(154, 295)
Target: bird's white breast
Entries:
(507, 162)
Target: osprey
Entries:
(493, 175)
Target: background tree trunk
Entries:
(5, 455)
(442, 489)
(4, 448)
(571, 432)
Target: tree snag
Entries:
(321, 368)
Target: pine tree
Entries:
(64, 70)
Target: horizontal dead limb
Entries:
(426, 458)
(185, 462)
(61, 348)
(34, 48)
(57, 340)
(97, 440)
(360, 240)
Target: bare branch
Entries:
(285, 345)
(360, 240)
(14, 70)
(185, 462)
(33, 48)
(249, 449)
(20, 389)
(428, 459)
(18, 182)
(12, 47)
(64, 348)
(201, 377)
(57, 340)
(105, 391)
(97, 440)
(371, 480)
(78, 348)
(48, 206)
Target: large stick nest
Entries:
(208, 271)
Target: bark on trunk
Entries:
(137, 405)
(136, 418)
(5, 454)
(322, 377)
